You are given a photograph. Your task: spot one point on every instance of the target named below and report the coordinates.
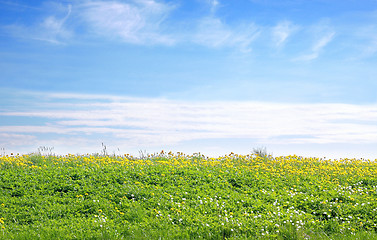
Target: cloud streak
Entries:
(161, 122)
(282, 31)
(213, 32)
(142, 22)
(214, 4)
(153, 22)
(135, 22)
(323, 34)
(51, 29)
(317, 47)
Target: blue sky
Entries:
(210, 76)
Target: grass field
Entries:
(176, 196)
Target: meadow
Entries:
(178, 196)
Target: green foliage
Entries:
(170, 196)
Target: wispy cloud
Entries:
(162, 122)
(365, 38)
(371, 48)
(137, 22)
(317, 47)
(154, 22)
(322, 42)
(134, 22)
(12, 139)
(213, 32)
(214, 4)
(50, 29)
(16, 5)
(53, 28)
(282, 31)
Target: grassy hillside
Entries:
(175, 196)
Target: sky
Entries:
(209, 76)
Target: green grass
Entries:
(170, 196)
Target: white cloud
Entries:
(282, 31)
(53, 28)
(12, 139)
(50, 29)
(365, 41)
(159, 122)
(317, 47)
(370, 49)
(213, 32)
(135, 22)
(16, 5)
(214, 4)
(323, 41)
